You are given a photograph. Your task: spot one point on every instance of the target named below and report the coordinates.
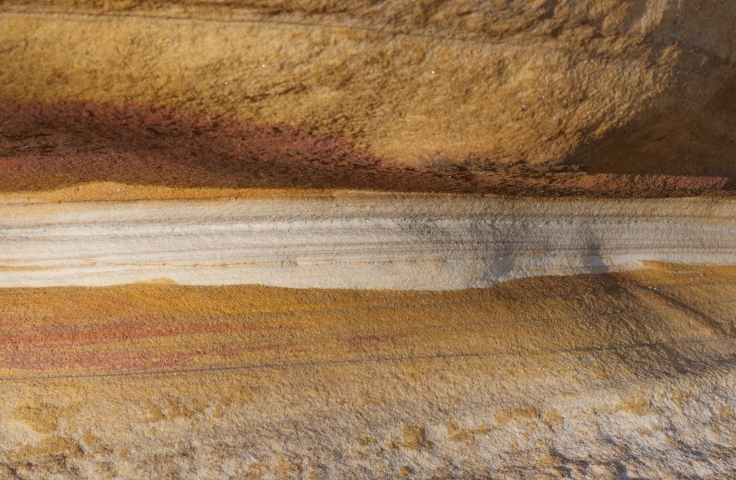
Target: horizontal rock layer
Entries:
(72, 147)
(405, 242)
(597, 376)
(212, 142)
(608, 86)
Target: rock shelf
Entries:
(355, 240)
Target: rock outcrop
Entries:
(354, 240)
(399, 162)
(608, 86)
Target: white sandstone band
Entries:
(354, 240)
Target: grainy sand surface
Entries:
(608, 376)
(402, 151)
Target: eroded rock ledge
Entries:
(605, 86)
(73, 147)
(354, 240)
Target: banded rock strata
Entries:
(358, 240)
(608, 86)
(614, 375)
(392, 154)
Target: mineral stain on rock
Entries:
(100, 149)
(604, 86)
(539, 376)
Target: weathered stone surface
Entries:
(87, 150)
(108, 107)
(354, 240)
(611, 86)
(558, 377)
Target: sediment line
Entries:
(354, 241)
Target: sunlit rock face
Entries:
(367, 239)
(355, 240)
(642, 87)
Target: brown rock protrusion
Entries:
(607, 86)
(56, 145)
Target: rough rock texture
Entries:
(620, 375)
(643, 87)
(45, 146)
(588, 377)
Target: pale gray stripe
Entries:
(361, 240)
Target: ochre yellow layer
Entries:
(158, 326)
(111, 191)
(495, 86)
(125, 381)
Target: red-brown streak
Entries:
(60, 144)
(38, 337)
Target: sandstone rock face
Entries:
(552, 377)
(641, 86)
(354, 241)
(396, 164)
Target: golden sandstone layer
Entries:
(551, 377)
(528, 89)
(107, 105)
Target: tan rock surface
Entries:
(620, 375)
(613, 376)
(610, 86)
